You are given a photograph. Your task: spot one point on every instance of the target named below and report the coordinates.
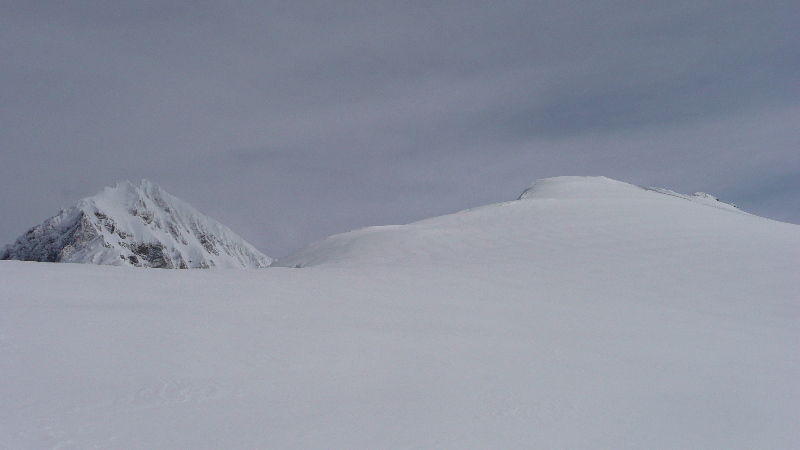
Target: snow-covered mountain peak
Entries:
(126, 197)
(596, 214)
(141, 226)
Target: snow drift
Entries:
(140, 226)
(588, 314)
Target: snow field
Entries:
(573, 318)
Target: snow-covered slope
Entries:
(589, 314)
(140, 226)
(595, 217)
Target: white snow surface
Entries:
(604, 217)
(140, 226)
(588, 314)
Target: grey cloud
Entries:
(617, 103)
(776, 196)
(320, 117)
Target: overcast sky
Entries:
(290, 121)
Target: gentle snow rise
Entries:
(550, 214)
(141, 226)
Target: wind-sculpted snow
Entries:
(589, 314)
(136, 226)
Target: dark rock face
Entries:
(150, 255)
(52, 241)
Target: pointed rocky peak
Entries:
(141, 226)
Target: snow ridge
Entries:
(698, 197)
(587, 187)
(141, 226)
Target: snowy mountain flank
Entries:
(553, 214)
(141, 226)
(589, 313)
